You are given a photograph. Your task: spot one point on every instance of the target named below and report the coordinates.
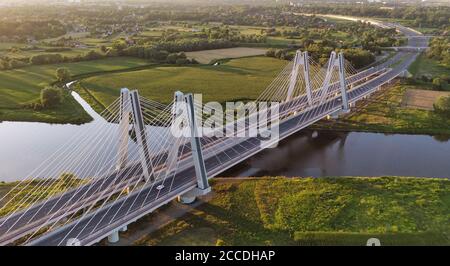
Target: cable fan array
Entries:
(90, 183)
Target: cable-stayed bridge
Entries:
(92, 192)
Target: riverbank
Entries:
(315, 211)
(387, 112)
(23, 85)
(12, 194)
(68, 111)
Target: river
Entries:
(25, 145)
(351, 154)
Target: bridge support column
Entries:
(125, 111)
(113, 237)
(305, 64)
(343, 85)
(200, 170)
(294, 74)
(139, 128)
(177, 109)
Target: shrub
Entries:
(63, 74)
(220, 242)
(50, 97)
(46, 59)
(182, 61)
(93, 55)
(16, 63)
(270, 52)
(442, 105)
(439, 83)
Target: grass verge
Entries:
(316, 211)
(384, 112)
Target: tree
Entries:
(63, 74)
(119, 45)
(270, 52)
(46, 59)
(438, 83)
(442, 105)
(92, 55)
(16, 63)
(50, 97)
(172, 58)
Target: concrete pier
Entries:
(113, 237)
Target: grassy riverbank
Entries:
(386, 112)
(23, 85)
(315, 211)
(12, 194)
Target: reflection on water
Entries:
(351, 154)
(25, 146)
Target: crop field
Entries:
(388, 111)
(315, 211)
(237, 79)
(208, 56)
(422, 99)
(23, 85)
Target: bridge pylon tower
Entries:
(203, 186)
(342, 83)
(130, 106)
(300, 60)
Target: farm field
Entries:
(206, 56)
(237, 79)
(315, 211)
(23, 85)
(422, 99)
(388, 111)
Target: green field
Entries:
(236, 79)
(316, 211)
(384, 112)
(12, 194)
(24, 85)
(431, 68)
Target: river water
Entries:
(24, 146)
(351, 154)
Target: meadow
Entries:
(23, 85)
(315, 211)
(387, 111)
(424, 66)
(236, 79)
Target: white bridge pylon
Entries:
(336, 64)
(183, 112)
